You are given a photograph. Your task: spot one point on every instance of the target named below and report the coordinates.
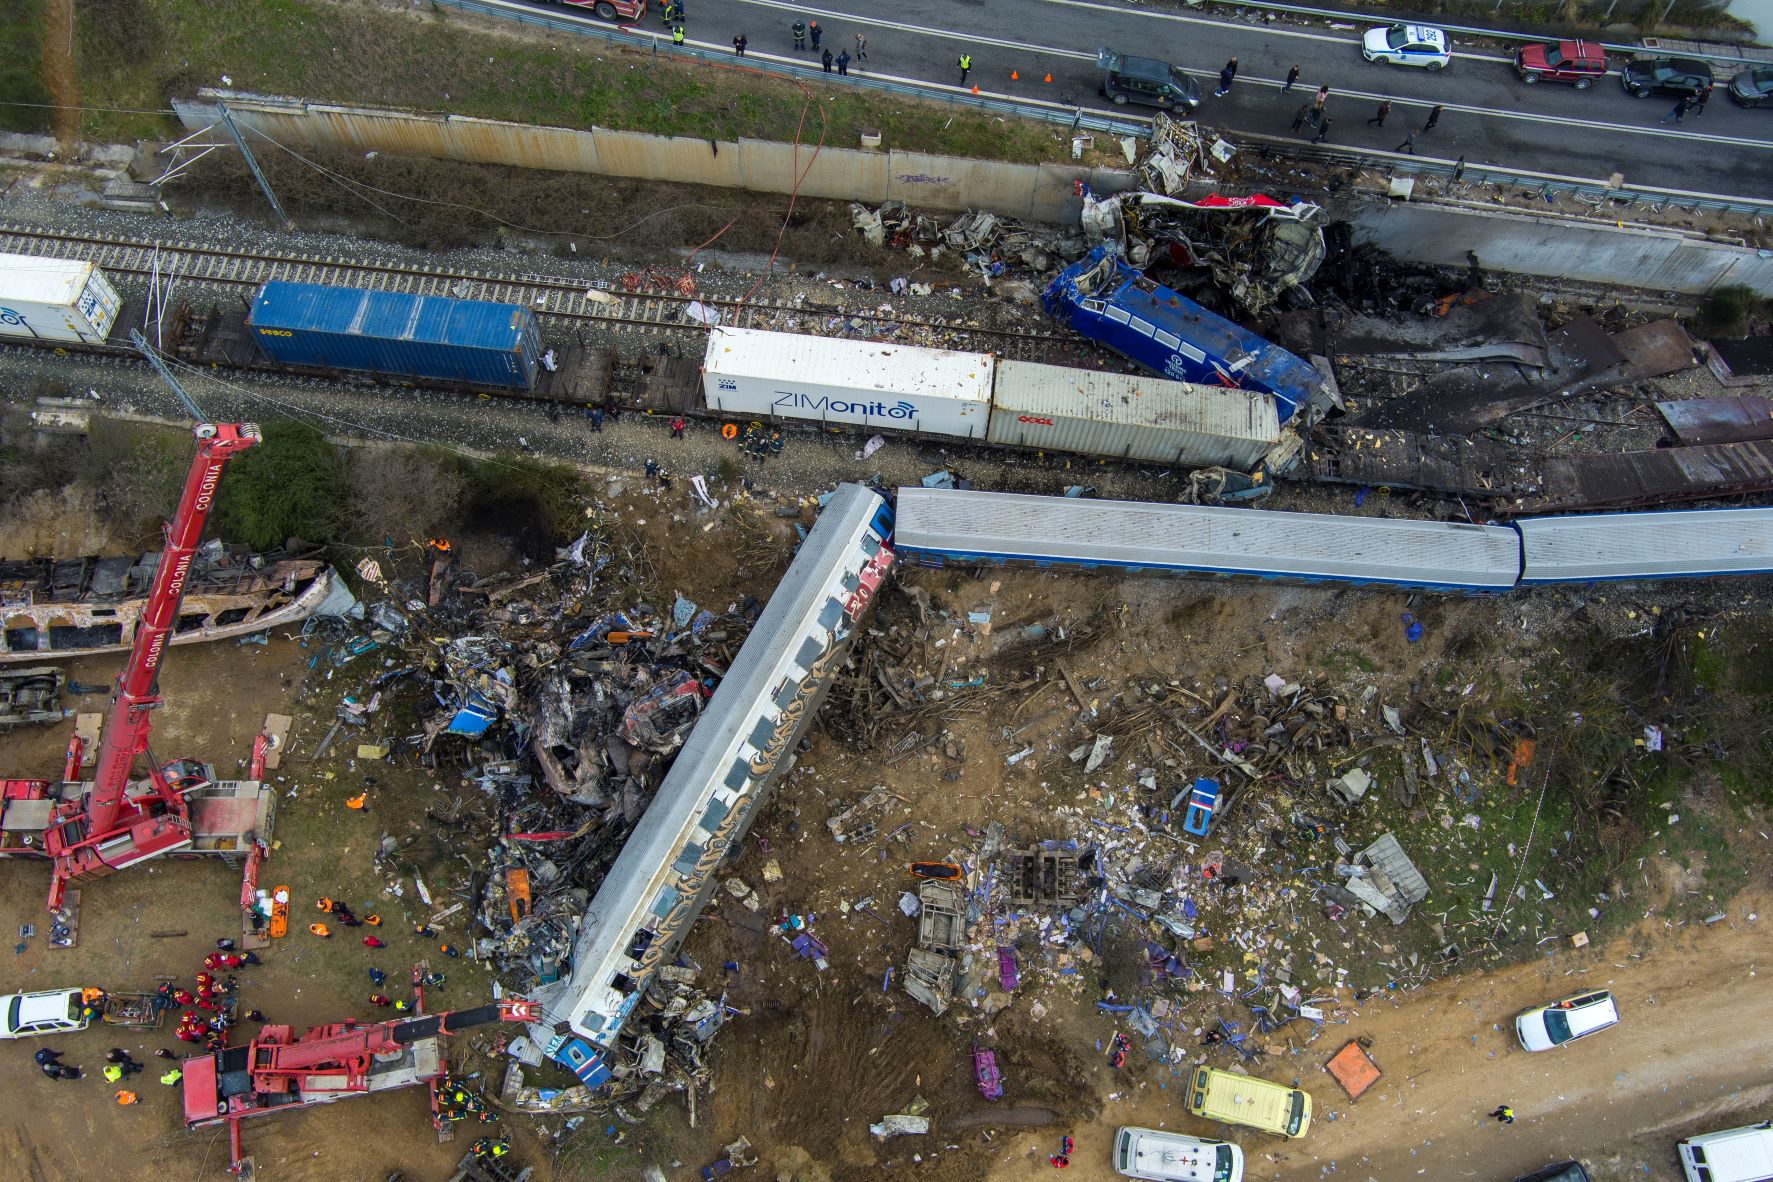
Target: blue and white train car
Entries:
(1613, 547)
(937, 526)
(743, 742)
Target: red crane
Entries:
(108, 827)
(280, 1070)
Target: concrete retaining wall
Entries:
(1037, 192)
(1585, 251)
(1439, 235)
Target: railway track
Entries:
(561, 301)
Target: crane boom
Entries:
(84, 835)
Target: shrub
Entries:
(293, 485)
(1726, 311)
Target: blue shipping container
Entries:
(473, 342)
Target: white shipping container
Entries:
(864, 383)
(1131, 416)
(56, 300)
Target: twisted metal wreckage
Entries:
(565, 697)
(1254, 248)
(578, 699)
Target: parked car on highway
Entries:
(1729, 1155)
(1576, 62)
(1408, 45)
(1172, 1157)
(1753, 88)
(1563, 1171)
(1146, 81)
(1544, 1027)
(1682, 77)
(52, 1011)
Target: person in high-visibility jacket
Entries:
(169, 1078)
(677, 35)
(321, 930)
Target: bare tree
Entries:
(405, 495)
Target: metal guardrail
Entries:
(1079, 119)
(1467, 30)
(1584, 189)
(1075, 118)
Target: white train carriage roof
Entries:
(1140, 536)
(1593, 547)
(661, 863)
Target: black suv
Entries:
(1564, 1171)
(1147, 81)
(1682, 77)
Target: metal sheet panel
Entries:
(470, 341)
(1599, 547)
(960, 526)
(55, 300)
(862, 383)
(1130, 416)
(1698, 421)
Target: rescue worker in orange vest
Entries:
(321, 930)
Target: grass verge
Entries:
(133, 54)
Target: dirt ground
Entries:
(812, 1058)
(1617, 1101)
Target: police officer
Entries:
(966, 66)
(677, 35)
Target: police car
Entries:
(1408, 45)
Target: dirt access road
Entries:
(1693, 1053)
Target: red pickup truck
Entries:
(1576, 62)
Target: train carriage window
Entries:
(831, 615)
(870, 545)
(712, 818)
(192, 622)
(1142, 328)
(668, 897)
(21, 635)
(760, 734)
(1168, 340)
(1118, 315)
(686, 861)
(232, 615)
(851, 580)
(1093, 306)
(811, 649)
(68, 636)
(738, 777)
(786, 693)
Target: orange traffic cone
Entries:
(1014, 75)
(975, 90)
(1048, 78)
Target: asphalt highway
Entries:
(1491, 117)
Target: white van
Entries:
(1729, 1155)
(1170, 1157)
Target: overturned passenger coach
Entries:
(741, 746)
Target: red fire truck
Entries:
(612, 10)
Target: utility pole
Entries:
(142, 347)
(251, 163)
